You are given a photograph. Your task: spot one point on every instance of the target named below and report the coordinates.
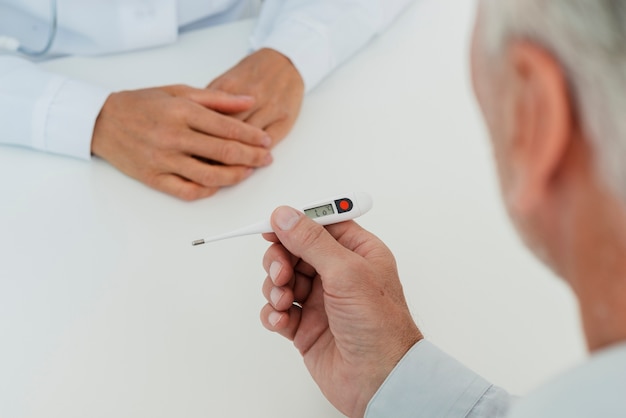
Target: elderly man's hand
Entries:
(335, 292)
(276, 86)
(180, 140)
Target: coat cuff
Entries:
(67, 115)
(428, 382)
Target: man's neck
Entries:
(598, 270)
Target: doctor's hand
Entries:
(180, 140)
(275, 84)
(335, 292)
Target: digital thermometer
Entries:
(325, 212)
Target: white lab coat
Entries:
(55, 114)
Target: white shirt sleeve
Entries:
(429, 383)
(319, 35)
(56, 114)
(45, 111)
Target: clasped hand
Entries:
(191, 142)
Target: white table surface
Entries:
(107, 311)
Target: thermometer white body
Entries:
(325, 212)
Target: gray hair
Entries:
(588, 37)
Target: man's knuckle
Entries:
(310, 234)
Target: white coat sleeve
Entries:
(429, 383)
(45, 111)
(319, 35)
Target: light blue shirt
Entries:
(429, 383)
(55, 114)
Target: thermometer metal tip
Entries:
(198, 242)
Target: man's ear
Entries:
(541, 114)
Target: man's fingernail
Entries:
(275, 269)
(286, 218)
(274, 317)
(276, 295)
(266, 141)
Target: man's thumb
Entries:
(305, 238)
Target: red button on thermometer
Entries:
(324, 212)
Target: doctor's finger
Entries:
(275, 123)
(180, 187)
(209, 175)
(275, 119)
(219, 100)
(227, 127)
(278, 131)
(225, 151)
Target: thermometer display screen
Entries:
(320, 211)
